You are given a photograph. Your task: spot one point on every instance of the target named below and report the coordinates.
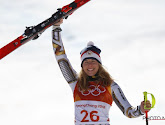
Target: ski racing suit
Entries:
(91, 106)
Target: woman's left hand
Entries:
(148, 105)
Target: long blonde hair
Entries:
(102, 77)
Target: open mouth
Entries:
(90, 69)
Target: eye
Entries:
(85, 62)
(94, 61)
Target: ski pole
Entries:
(145, 107)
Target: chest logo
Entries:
(95, 90)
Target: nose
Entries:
(90, 65)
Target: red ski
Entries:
(33, 32)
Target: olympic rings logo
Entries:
(94, 90)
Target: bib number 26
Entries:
(93, 116)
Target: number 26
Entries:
(93, 116)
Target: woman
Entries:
(94, 90)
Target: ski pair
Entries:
(33, 32)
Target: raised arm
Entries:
(68, 72)
(121, 101)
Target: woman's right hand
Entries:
(58, 23)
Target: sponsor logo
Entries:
(89, 53)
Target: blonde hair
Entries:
(103, 77)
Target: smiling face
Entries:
(90, 67)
